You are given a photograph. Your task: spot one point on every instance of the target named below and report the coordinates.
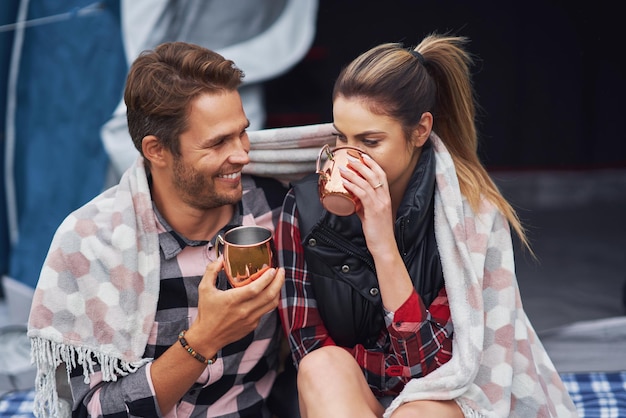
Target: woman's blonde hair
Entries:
(434, 77)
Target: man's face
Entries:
(213, 150)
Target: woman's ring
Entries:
(378, 185)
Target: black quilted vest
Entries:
(341, 268)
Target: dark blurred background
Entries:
(551, 81)
(549, 75)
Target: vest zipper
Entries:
(401, 229)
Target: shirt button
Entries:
(345, 268)
(312, 242)
(374, 291)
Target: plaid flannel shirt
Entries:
(238, 384)
(415, 341)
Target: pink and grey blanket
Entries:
(499, 368)
(97, 293)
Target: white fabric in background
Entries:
(262, 56)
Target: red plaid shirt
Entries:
(415, 342)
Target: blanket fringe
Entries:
(48, 355)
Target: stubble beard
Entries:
(198, 191)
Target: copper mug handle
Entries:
(333, 195)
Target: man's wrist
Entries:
(182, 339)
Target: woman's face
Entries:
(381, 137)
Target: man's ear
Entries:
(423, 129)
(154, 151)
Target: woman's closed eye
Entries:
(340, 137)
(366, 142)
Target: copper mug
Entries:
(333, 195)
(247, 253)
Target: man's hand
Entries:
(227, 316)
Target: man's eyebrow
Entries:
(222, 137)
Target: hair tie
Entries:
(419, 56)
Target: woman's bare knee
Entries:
(428, 409)
(326, 362)
(330, 382)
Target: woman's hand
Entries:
(366, 180)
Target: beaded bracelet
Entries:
(192, 352)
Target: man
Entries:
(132, 301)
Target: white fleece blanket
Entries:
(288, 153)
(499, 368)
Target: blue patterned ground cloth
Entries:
(17, 404)
(596, 395)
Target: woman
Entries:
(410, 307)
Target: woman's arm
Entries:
(420, 342)
(420, 338)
